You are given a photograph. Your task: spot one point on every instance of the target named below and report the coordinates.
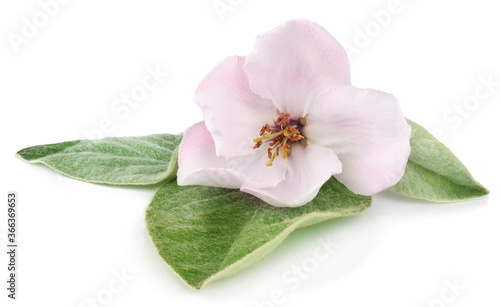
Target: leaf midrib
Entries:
(107, 156)
(471, 185)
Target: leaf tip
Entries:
(21, 154)
(483, 190)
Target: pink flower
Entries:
(283, 120)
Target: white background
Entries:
(73, 235)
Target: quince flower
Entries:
(281, 121)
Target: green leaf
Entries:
(205, 233)
(434, 173)
(114, 160)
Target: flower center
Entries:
(281, 136)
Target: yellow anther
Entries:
(270, 162)
(285, 154)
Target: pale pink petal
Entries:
(367, 131)
(308, 169)
(294, 64)
(232, 113)
(199, 165)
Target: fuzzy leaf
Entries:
(434, 173)
(205, 233)
(114, 160)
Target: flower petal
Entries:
(367, 131)
(233, 114)
(294, 64)
(199, 165)
(308, 169)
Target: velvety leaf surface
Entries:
(434, 173)
(205, 233)
(114, 160)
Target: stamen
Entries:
(285, 155)
(264, 129)
(283, 119)
(281, 136)
(270, 162)
(273, 142)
